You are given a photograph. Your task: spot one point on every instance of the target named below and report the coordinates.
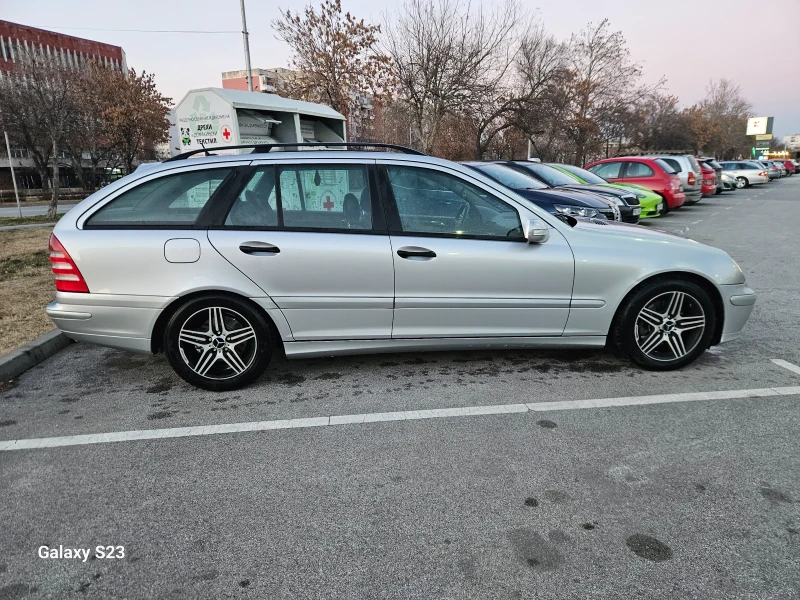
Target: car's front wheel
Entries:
(665, 325)
(741, 182)
(218, 343)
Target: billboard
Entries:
(759, 125)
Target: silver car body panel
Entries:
(753, 176)
(339, 293)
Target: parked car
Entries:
(773, 172)
(790, 168)
(222, 261)
(554, 201)
(652, 173)
(780, 166)
(728, 182)
(711, 162)
(709, 179)
(626, 201)
(745, 172)
(652, 204)
(688, 170)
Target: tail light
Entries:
(762, 174)
(68, 277)
(691, 180)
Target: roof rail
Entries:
(264, 148)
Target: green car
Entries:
(652, 204)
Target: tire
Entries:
(636, 333)
(666, 208)
(218, 343)
(741, 182)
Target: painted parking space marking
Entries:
(408, 415)
(696, 222)
(786, 365)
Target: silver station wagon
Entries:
(219, 261)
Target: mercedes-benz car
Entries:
(220, 262)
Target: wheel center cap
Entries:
(218, 342)
(668, 325)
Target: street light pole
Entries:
(13, 177)
(246, 49)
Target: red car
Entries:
(790, 168)
(709, 183)
(652, 173)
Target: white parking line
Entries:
(714, 214)
(341, 420)
(728, 207)
(696, 222)
(786, 365)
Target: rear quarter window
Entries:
(676, 166)
(609, 170)
(667, 167)
(170, 200)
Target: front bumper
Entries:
(738, 301)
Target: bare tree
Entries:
(446, 57)
(520, 95)
(38, 106)
(603, 78)
(727, 110)
(336, 57)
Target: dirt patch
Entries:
(26, 286)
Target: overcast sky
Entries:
(686, 41)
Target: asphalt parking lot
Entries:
(674, 499)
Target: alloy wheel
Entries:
(741, 183)
(217, 343)
(670, 326)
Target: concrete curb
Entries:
(31, 354)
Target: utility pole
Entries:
(246, 49)
(13, 177)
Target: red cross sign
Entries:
(327, 205)
(226, 133)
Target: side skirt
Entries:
(341, 347)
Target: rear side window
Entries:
(325, 197)
(171, 200)
(693, 162)
(666, 166)
(676, 166)
(256, 206)
(609, 170)
(637, 169)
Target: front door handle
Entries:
(258, 248)
(415, 251)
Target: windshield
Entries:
(666, 166)
(509, 177)
(552, 177)
(583, 174)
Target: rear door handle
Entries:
(411, 251)
(258, 248)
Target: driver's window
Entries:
(433, 202)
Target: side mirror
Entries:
(536, 231)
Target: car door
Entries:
(312, 235)
(462, 265)
(637, 172)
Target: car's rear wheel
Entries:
(665, 325)
(218, 343)
(665, 205)
(742, 182)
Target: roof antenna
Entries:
(203, 146)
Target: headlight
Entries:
(576, 211)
